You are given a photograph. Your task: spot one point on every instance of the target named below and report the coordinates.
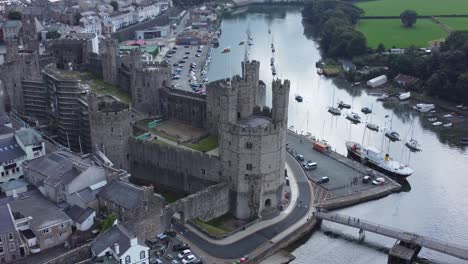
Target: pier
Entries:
(409, 243)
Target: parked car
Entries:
(189, 259)
(366, 179)
(187, 53)
(185, 57)
(181, 61)
(310, 165)
(323, 180)
(175, 64)
(186, 46)
(184, 253)
(197, 55)
(180, 247)
(300, 157)
(378, 181)
(174, 48)
(174, 261)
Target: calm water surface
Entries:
(435, 202)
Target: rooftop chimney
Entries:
(116, 249)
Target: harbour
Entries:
(295, 60)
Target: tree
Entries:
(408, 18)
(53, 34)
(14, 15)
(115, 5)
(380, 48)
(462, 87)
(107, 222)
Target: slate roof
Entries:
(28, 136)
(43, 212)
(122, 193)
(6, 221)
(4, 130)
(116, 234)
(78, 214)
(58, 167)
(10, 185)
(9, 149)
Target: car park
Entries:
(300, 157)
(175, 261)
(323, 180)
(169, 56)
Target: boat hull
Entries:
(356, 156)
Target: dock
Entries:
(407, 238)
(345, 187)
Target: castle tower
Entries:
(109, 61)
(280, 102)
(252, 148)
(110, 128)
(29, 36)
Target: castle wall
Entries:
(172, 167)
(206, 204)
(186, 107)
(221, 101)
(69, 51)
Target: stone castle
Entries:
(249, 165)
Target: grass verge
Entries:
(206, 144)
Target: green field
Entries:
(422, 7)
(456, 23)
(391, 33)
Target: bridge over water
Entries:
(405, 238)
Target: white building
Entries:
(121, 19)
(148, 10)
(122, 245)
(91, 23)
(15, 148)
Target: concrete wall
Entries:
(173, 167)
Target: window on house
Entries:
(248, 145)
(1, 250)
(229, 163)
(62, 225)
(142, 254)
(3, 173)
(45, 231)
(249, 166)
(127, 259)
(12, 246)
(10, 236)
(203, 171)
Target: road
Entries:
(248, 244)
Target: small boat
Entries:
(438, 123)
(342, 104)
(319, 71)
(424, 108)
(372, 127)
(432, 119)
(334, 111)
(250, 42)
(448, 116)
(226, 50)
(404, 96)
(355, 84)
(241, 43)
(366, 110)
(413, 145)
(272, 61)
(299, 98)
(459, 106)
(383, 97)
(392, 135)
(353, 117)
(447, 125)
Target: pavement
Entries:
(245, 242)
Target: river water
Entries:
(435, 200)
